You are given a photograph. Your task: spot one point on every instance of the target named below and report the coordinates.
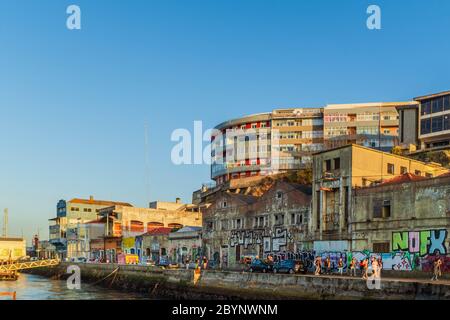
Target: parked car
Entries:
(289, 266)
(163, 261)
(258, 265)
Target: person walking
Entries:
(380, 266)
(365, 268)
(328, 265)
(205, 263)
(437, 269)
(341, 266)
(375, 270)
(318, 264)
(353, 267)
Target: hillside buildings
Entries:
(285, 139)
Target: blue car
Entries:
(259, 266)
(289, 266)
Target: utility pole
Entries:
(5, 223)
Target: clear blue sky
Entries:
(73, 104)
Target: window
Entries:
(403, 170)
(292, 218)
(446, 122)
(447, 103)
(381, 209)
(279, 195)
(382, 247)
(417, 172)
(429, 175)
(224, 204)
(386, 210)
(377, 211)
(390, 168)
(337, 163)
(224, 224)
(425, 107)
(279, 219)
(328, 165)
(436, 105)
(425, 126)
(436, 124)
(208, 225)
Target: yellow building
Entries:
(12, 249)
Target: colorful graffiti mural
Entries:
(426, 242)
(396, 261)
(271, 241)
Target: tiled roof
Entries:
(447, 174)
(404, 178)
(100, 202)
(189, 229)
(160, 231)
(244, 197)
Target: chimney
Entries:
(91, 198)
(178, 200)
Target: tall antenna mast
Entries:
(5, 223)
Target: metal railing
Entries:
(11, 267)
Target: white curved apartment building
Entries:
(265, 143)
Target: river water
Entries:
(33, 287)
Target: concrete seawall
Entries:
(178, 284)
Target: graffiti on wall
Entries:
(275, 241)
(396, 261)
(426, 242)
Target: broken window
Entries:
(386, 209)
(327, 165)
(337, 163)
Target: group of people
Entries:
(325, 266)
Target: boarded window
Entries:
(337, 163)
(382, 247)
(377, 209)
(153, 225)
(390, 168)
(136, 226)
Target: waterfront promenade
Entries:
(213, 284)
